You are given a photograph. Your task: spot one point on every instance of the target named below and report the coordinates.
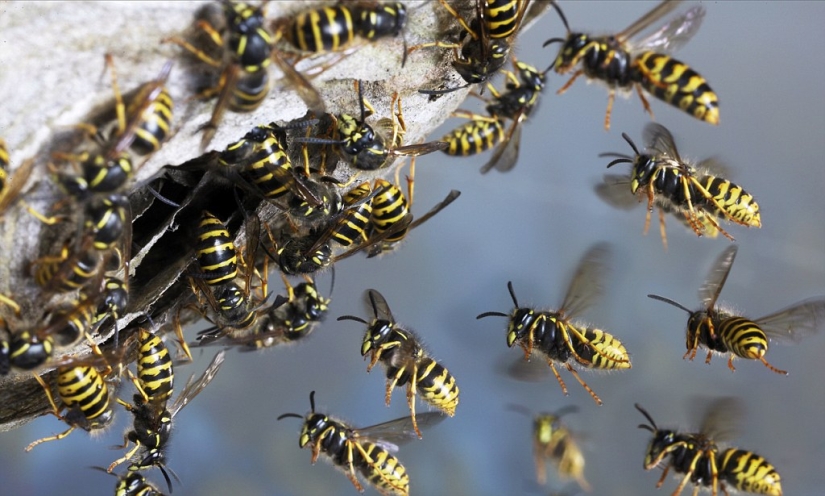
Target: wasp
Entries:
(665, 178)
(335, 28)
(485, 43)
(483, 132)
(153, 422)
(625, 65)
(31, 347)
(407, 361)
(369, 149)
(613, 190)
(85, 396)
(218, 269)
(554, 334)
(703, 462)
(287, 320)
(241, 47)
(368, 450)
(389, 222)
(553, 441)
(722, 331)
(392, 218)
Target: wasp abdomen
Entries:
(677, 84)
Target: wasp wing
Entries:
(505, 155)
(659, 140)
(717, 276)
(394, 433)
(721, 418)
(378, 304)
(587, 283)
(615, 191)
(193, 387)
(661, 10)
(674, 34)
(796, 321)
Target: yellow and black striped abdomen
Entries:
(383, 470)
(677, 84)
(83, 388)
(474, 137)
(437, 386)
(749, 472)
(65, 272)
(268, 164)
(388, 208)
(249, 91)
(352, 226)
(155, 121)
(743, 337)
(736, 204)
(217, 257)
(323, 29)
(604, 351)
(154, 367)
(501, 17)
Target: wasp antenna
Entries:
(669, 301)
(312, 401)
(648, 417)
(491, 314)
(512, 293)
(631, 143)
(288, 415)
(622, 160)
(352, 317)
(561, 14)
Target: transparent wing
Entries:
(615, 191)
(714, 167)
(674, 34)
(659, 140)
(658, 12)
(796, 321)
(722, 417)
(451, 196)
(717, 276)
(588, 281)
(396, 432)
(505, 155)
(377, 304)
(193, 387)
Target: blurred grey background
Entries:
(765, 60)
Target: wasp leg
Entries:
(570, 82)
(125, 457)
(611, 97)
(584, 384)
(778, 371)
(411, 392)
(558, 377)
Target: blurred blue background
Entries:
(765, 60)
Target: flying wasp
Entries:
(371, 148)
(483, 132)
(705, 464)
(368, 450)
(560, 340)
(722, 331)
(553, 441)
(666, 179)
(153, 423)
(624, 65)
(407, 362)
(485, 43)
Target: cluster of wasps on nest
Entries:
(279, 196)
